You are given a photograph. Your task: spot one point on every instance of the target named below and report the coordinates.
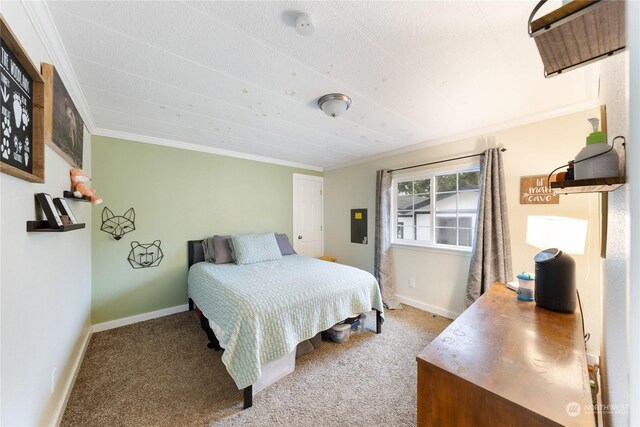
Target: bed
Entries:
(260, 312)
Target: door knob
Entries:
(299, 237)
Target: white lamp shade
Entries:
(334, 107)
(334, 104)
(567, 234)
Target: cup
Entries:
(525, 286)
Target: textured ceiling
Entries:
(236, 76)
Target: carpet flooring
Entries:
(161, 373)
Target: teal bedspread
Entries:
(266, 309)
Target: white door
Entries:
(308, 237)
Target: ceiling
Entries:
(236, 76)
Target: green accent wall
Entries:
(177, 195)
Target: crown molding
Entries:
(201, 148)
(42, 21)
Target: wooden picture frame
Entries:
(22, 111)
(63, 125)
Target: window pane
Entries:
(468, 200)
(423, 219)
(465, 237)
(446, 236)
(423, 234)
(422, 202)
(405, 187)
(465, 221)
(404, 202)
(445, 221)
(447, 202)
(405, 219)
(446, 182)
(469, 180)
(421, 186)
(400, 230)
(408, 232)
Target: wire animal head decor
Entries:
(144, 255)
(118, 225)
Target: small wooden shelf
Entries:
(596, 185)
(69, 195)
(43, 226)
(578, 33)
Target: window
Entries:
(436, 209)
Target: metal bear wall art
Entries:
(118, 225)
(144, 255)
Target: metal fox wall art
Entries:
(117, 225)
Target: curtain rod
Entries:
(441, 161)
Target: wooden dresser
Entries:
(505, 362)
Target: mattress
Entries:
(263, 310)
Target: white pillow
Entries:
(252, 248)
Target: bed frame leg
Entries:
(248, 397)
(378, 322)
(214, 343)
(190, 304)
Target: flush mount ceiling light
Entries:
(334, 104)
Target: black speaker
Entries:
(555, 282)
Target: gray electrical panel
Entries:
(359, 226)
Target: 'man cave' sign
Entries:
(534, 190)
(16, 90)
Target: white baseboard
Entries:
(66, 393)
(427, 307)
(139, 318)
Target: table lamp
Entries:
(555, 280)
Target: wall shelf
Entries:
(578, 33)
(44, 226)
(596, 185)
(69, 195)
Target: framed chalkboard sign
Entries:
(22, 111)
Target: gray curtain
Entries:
(383, 263)
(491, 258)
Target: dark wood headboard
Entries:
(196, 253)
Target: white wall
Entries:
(45, 296)
(440, 276)
(633, 174)
(621, 298)
(615, 362)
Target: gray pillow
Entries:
(284, 245)
(252, 248)
(233, 252)
(208, 253)
(221, 250)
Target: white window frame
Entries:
(430, 173)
